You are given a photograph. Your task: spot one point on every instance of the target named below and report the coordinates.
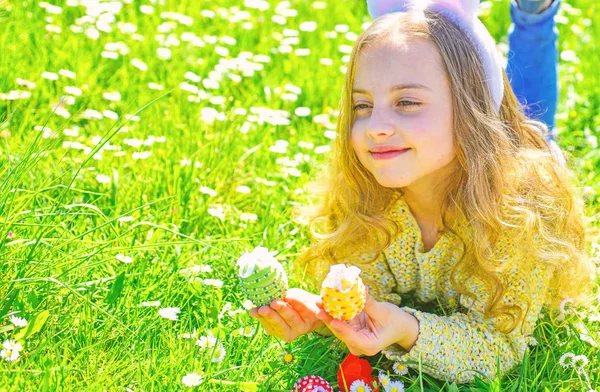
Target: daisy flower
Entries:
(206, 341)
(103, 179)
(594, 317)
(123, 258)
(360, 386)
(567, 360)
(580, 361)
(18, 321)
(532, 341)
(395, 386)
(384, 380)
(186, 335)
(192, 380)
(247, 331)
(247, 304)
(169, 313)
(218, 353)
(400, 368)
(11, 350)
(581, 328)
(588, 339)
(566, 306)
(287, 357)
(213, 282)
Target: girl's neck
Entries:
(425, 207)
(425, 196)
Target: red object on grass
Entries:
(354, 368)
(312, 384)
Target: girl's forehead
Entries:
(399, 49)
(415, 61)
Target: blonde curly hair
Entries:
(503, 177)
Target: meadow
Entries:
(146, 145)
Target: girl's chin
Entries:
(393, 183)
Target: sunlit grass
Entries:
(145, 146)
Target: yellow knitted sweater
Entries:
(453, 347)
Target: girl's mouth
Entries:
(388, 154)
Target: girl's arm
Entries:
(452, 348)
(456, 347)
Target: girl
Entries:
(441, 188)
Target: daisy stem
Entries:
(282, 346)
(587, 378)
(420, 373)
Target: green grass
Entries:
(61, 262)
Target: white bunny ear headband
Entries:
(463, 13)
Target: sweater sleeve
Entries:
(456, 347)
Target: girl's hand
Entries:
(293, 317)
(378, 326)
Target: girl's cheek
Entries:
(420, 127)
(356, 141)
(354, 133)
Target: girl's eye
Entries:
(409, 103)
(360, 106)
(402, 103)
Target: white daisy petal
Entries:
(192, 380)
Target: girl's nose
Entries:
(381, 124)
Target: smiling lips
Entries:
(379, 153)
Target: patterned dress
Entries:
(455, 346)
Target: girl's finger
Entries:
(343, 331)
(371, 308)
(300, 306)
(273, 318)
(267, 326)
(274, 328)
(324, 316)
(306, 313)
(339, 328)
(288, 314)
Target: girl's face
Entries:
(402, 101)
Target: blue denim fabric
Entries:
(533, 62)
(531, 6)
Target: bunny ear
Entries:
(380, 7)
(471, 7)
(468, 9)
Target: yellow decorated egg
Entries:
(343, 292)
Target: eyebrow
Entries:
(414, 86)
